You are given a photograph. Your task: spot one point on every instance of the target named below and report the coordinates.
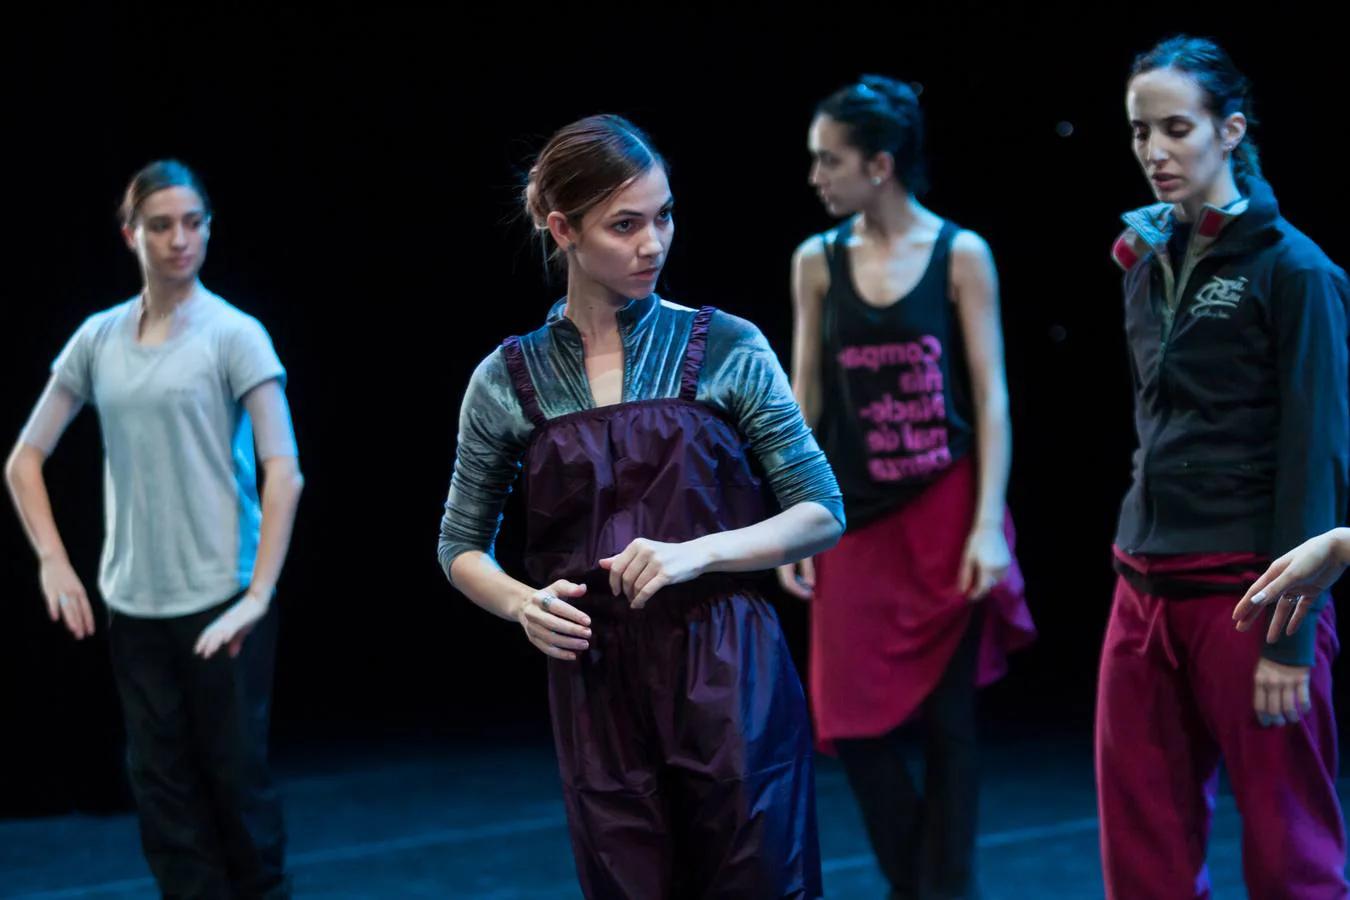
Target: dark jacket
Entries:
(1239, 357)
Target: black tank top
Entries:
(897, 408)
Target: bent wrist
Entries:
(52, 556)
(708, 553)
(517, 600)
(1341, 545)
(261, 596)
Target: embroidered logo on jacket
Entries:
(1219, 298)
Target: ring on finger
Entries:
(63, 600)
(545, 600)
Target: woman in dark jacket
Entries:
(1236, 324)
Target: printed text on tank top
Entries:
(902, 404)
(883, 279)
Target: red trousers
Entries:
(1175, 696)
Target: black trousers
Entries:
(210, 814)
(925, 844)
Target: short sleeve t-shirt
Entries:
(181, 508)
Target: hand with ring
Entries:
(1294, 582)
(66, 597)
(552, 624)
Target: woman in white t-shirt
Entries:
(190, 393)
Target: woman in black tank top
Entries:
(898, 365)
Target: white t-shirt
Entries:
(181, 509)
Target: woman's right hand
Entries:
(799, 578)
(554, 625)
(66, 598)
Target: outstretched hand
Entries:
(1293, 582)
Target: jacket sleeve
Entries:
(1308, 314)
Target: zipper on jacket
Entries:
(1174, 292)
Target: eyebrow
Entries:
(1174, 117)
(670, 201)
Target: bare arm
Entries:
(800, 531)
(54, 411)
(975, 289)
(810, 279)
(282, 482)
(274, 441)
(62, 590)
(644, 567)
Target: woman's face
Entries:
(1184, 153)
(622, 244)
(840, 174)
(170, 233)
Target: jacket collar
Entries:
(1249, 220)
(634, 317)
(633, 314)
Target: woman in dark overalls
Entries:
(680, 721)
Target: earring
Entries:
(876, 181)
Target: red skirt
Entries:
(887, 613)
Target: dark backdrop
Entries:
(365, 168)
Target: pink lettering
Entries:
(909, 439)
(922, 439)
(883, 440)
(925, 379)
(899, 468)
(927, 349)
(919, 409)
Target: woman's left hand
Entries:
(644, 567)
(986, 560)
(231, 627)
(1282, 692)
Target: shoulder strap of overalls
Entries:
(520, 379)
(694, 352)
